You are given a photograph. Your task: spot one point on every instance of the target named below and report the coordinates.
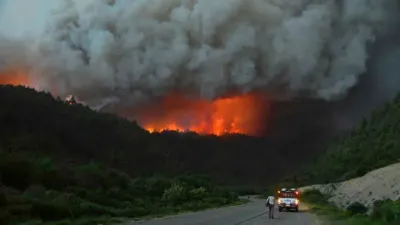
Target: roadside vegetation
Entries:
(385, 212)
(40, 189)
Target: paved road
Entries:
(253, 213)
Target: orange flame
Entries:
(238, 114)
(242, 114)
(15, 77)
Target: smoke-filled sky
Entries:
(20, 16)
(130, 51)
(147, 48)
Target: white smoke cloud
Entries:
(133, 50)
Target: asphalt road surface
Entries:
(253, 213)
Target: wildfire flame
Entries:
(241, 114)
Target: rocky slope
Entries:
(383, 183)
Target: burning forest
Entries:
(234, 114)
(174, 64)
(239, 114)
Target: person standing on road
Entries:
(270, 203)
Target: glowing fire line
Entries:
(241, 114)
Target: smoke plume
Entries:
(129, 51)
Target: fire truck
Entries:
(288, 199)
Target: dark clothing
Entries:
(271, 211)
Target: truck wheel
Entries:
(297, 209)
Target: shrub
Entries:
(175, 195)
(386, 210)
(198, 193)
(357, 208)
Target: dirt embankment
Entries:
(383, 183)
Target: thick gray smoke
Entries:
(134, 50)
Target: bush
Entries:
(175, 195)
(386, 210)
(357, 208)
(198, 193)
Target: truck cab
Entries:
(288, 199)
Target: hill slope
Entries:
(373, 144)
(38, 123)
(358, 176)
(60, 162)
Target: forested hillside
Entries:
(66, 164)
(38, 123)
(374, 143)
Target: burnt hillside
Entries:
(37, 122)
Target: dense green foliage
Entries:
(374, 143)
(383, 213)
(37, 188)
(37, 122)
(387, 211)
